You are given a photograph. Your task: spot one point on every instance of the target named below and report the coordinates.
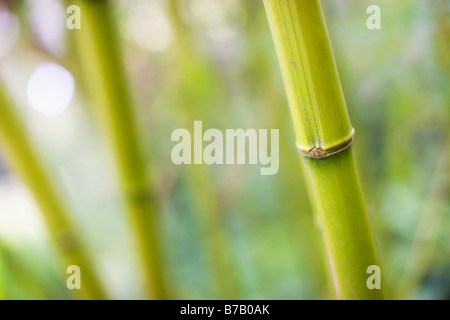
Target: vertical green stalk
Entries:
(324, 136)
(22, 156)
(2, 286)
(101, 61)
(214, 235)
(428, 229)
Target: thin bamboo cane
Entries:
(324, 136)
(22, 156)
(101, 61)
(428, 229)
(214, 236)
(2, 287)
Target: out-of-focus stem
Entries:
(2, 288)
(428, 229)
(215, 237)
(101, 61)
(24, 159)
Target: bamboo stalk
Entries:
(211, 215)
(324, 136)
(23, 158)
(2, 286)
(102, 65)
(21, 273)
(428, 229)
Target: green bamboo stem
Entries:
(214, 236)
(101, 62)
(25, 275)
(2, 287)
(322, 127)
(23, 158)
(428, 230)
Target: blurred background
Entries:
(227, 231)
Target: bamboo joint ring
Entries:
(319, 153)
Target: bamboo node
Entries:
(319, 153)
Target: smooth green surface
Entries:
(2, 289)
(23, 158)
(309, 72)
(320, 120)
(334, 190)
(104, 73)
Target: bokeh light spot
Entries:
(50, 89)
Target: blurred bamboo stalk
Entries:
(215, 237)
(23, 158)
(323, 128)
(18, 271)
(101, 62)
(2, 287)
(428, 229)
